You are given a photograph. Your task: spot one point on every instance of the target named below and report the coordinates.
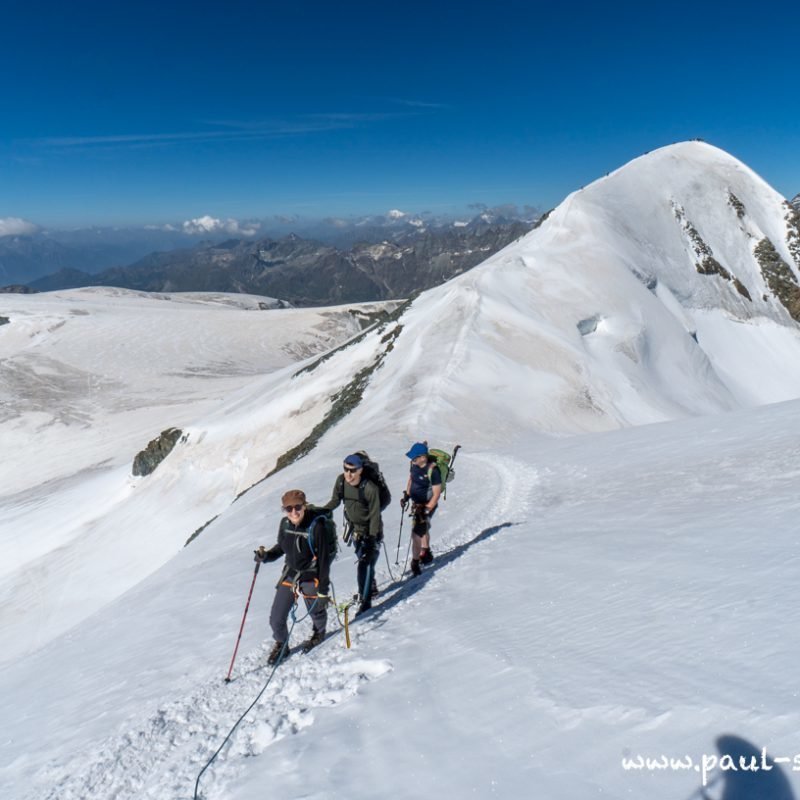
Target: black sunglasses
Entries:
(297, 508)
(351, 469)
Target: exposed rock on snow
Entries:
(706, 263)
(156, 451)
(779, 276)
(737, 205)
(793, 234)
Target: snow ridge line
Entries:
(161, 754)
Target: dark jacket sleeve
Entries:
(336, 496)
(323, 556)
(373, 497)
(276, 551)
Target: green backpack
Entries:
(445, 463)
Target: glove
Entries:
(404, 500)
(259, 554)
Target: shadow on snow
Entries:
(403, 588)
(745, 773)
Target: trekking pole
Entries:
(244, 617)
(408, 553)
(400, 536)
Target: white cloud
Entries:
(336, 222)
(209, 224)
(395, 214)
(14, 226)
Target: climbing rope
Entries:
(281, 657)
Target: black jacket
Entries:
(302, 561)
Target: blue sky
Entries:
(135, 113)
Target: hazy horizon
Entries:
(255, 227)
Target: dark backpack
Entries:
(330, 533)
(372, 472)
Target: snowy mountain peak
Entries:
(694, 205)
(668, 287)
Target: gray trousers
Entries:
(282, 605)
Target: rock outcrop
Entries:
(156, 451)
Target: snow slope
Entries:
(602, 596)
(89, 377)
(594, 597)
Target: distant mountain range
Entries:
(406, 254)
(304, 262)
(24, 258)
(30, 253)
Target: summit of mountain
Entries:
(667, 288)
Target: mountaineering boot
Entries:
(275, 653)
(415, 567)
(366, 605)
(316, 638)
(426, 556)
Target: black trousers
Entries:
(282, 605)
(368, 550)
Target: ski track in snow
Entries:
(161, 755)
